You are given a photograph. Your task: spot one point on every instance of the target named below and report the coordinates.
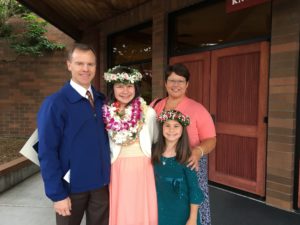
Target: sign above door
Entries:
(235, 5)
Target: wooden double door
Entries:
(232, 83)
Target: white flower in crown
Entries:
(134, 76)
(173, 115)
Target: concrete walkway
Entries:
(26, 204)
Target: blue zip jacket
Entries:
(72, 136)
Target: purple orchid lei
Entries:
(124, 129)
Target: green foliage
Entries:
(5, 31)
(32, 41)
(10, 8)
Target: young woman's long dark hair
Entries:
(183, 150)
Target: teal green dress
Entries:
(177, 187)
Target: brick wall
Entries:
(24, 82)
(284, 69)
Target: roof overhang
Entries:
(73, 17)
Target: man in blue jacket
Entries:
(73, 145)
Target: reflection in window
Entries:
(133, 47)
(210, 25)
(146, 70)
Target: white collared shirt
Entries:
(81, 90)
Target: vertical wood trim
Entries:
(262, 112)
(213, 109)
(299, 187)
(206, 80)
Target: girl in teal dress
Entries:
(178, 193)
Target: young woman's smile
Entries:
(124, 93)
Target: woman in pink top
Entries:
(201, 131)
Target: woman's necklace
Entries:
(123, 128)
(172, 104)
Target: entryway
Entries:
(232, 83)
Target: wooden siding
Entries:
(284, 72)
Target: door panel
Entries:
(238, 99)
(199, 68)
(232, 84)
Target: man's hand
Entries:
(63, 207)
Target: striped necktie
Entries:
(90, 98)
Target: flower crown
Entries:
(174, 115)
(123, 77)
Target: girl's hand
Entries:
(191, 222)
(193, 161)
(193, 215)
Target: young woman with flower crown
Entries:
(178, 192)
(132, 129)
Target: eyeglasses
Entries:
(179, 82)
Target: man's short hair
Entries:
(80, 46)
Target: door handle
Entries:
(213, 118)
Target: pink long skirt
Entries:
(132, 192)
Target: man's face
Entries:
(82, 66)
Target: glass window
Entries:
(133, 47)
(146, 70)
(209, 25)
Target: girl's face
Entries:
(124, 93)
(172, 130)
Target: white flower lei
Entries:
(124, 130)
